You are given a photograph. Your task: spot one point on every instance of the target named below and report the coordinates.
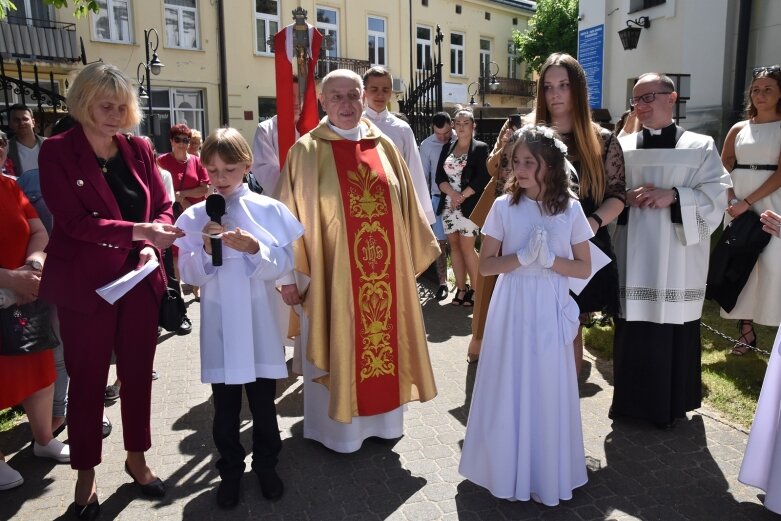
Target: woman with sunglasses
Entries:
(191, 184)
(752, 153)
(189, 176)
(562, 103)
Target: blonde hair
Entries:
(101, 80)
(587, 149)
(229, 145)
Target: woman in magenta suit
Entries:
(111, 215)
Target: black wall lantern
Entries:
(631, 35)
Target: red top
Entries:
(187, 175)
(15, 210)
(20, 376)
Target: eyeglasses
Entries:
(3, 143)
(645, 98)
(185, 140)
(770, 70)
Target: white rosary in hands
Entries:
(536, 249)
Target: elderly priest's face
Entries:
(341, 100)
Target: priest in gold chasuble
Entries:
(366, 238)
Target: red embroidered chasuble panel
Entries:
(368, 212)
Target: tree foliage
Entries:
(553, 28)
(80, 7)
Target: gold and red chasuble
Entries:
(366, 199)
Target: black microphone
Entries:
(215, 209)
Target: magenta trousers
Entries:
(129, 329)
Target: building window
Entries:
(512, 60)
(424, 3)
(29, 11)
(266, 24)
(112, 23)
(172, 106)
(267, 108)
(457, 54)
(515, 21)
(487, 15)
(181, 24)
(328, 25)
(423, 46)
(639, 5)
(377, 41)
(485, 55)
(458, 9)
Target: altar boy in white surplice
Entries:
(241, 342)
(676, 196)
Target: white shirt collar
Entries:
(354, 134)
(657, 131)
(373, 114)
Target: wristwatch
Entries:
(734, 201)
(34, 264)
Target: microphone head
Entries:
(215, 207)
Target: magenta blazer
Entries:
(90, 243)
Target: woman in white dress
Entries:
(752, 151)
(524, 438)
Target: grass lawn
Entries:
(731, 384)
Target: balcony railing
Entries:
(45, 40)
(515, 87)
(327, 64)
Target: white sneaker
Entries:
(9, 478)
(55, 450)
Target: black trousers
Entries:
(266, 443)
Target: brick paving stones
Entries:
(635, 471)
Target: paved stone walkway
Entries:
(635, 471)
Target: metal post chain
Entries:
(733, 341)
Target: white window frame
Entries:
(329, 28)
(268, 20)
(512, 64)
(377, 36)
(112, 23)
(180, 10)
(424, 48)
(457, 54)
(25, 7)
(197, 119)
(485, 55)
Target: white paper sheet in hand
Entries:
(114, 290)
(598, 261)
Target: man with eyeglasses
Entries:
(676, 196)
(25, 144)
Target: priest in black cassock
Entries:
(676, 197)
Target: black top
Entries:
(475, 174)
(125, 187)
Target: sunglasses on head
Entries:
(770, 70)
(180, 139)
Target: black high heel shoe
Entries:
(155, 488)
(740, 350)
(89, 512)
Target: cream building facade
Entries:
(696, 39)
(219, 69)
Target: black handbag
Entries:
(172, 310)
(27, 329)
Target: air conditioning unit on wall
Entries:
(398, 85)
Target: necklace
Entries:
(103, 164)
